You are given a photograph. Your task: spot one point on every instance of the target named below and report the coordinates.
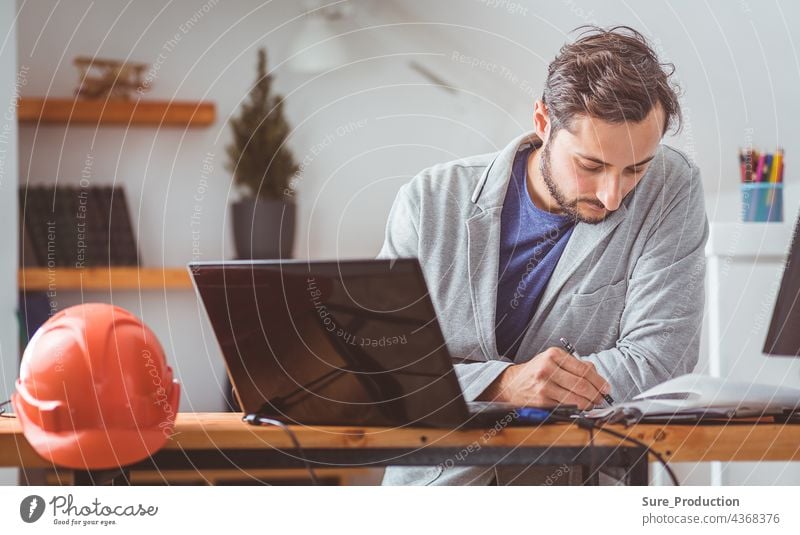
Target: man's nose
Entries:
(610, 194)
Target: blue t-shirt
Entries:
(531, 242)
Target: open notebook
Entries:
(694, 396)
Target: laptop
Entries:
(350, 342)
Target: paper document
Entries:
(693, 394)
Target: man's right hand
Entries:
(551, 377)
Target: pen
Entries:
(571, 350)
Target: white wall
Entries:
(738, 67)
(737, 62)
(9, 333)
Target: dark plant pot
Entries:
(263, 228)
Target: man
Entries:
(587, 228)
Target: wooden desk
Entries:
(222, 440)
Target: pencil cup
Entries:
(762, 201)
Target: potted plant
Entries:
(262, 167)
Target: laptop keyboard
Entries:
(484, 406)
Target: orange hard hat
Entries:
(94, 389)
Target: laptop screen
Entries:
(348, 342)
(783, 336)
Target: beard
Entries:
(570, 207)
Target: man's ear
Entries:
(541, 121)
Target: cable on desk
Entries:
(591, 425)
(585, 423)
(3, 410)
(256, 419)
(591, 453)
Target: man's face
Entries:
(590, 170)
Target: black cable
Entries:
(591, 454)
(2, 410)
(585, 423)
(255, 419)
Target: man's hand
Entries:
(553, 376)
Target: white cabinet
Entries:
(745, 266)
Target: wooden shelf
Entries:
(115, 112)
(116, 278)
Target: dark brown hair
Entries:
(610, 74)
